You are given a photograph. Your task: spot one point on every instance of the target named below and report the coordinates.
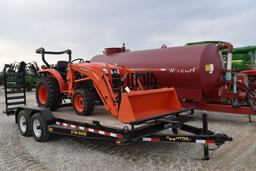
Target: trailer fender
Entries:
(57, 76)
(45, 113)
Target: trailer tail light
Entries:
(210, 141)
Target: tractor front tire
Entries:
(48, 93)
(83, 102)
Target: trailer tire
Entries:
(39, 128)
(48, 93)
(83, 102)
(24, 124)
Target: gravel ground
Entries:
(64, 153)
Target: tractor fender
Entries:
(57, 76)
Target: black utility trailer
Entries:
(41, 122)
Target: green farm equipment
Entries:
(31, 75)
(244, 58)
(31, 72)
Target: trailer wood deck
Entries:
(99, 114)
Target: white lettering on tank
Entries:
(182, 70)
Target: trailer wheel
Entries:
(24, 124)
(48, 93)
(39, 128)
(83, 102)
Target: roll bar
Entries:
(43, 52)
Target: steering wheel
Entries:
(77, 59)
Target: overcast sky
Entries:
(87, 27)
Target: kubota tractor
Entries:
(129, 94)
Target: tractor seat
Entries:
(62, 68)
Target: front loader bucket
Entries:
(138, 105)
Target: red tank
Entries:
(195, 71)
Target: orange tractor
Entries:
(129, 94)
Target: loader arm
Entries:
(132, 105)
(100, 82)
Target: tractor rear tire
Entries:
(48, 93)
(83, 102)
